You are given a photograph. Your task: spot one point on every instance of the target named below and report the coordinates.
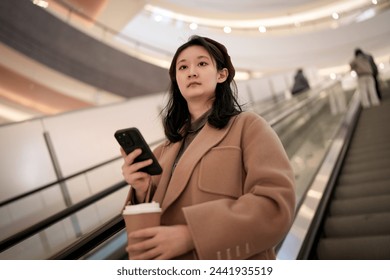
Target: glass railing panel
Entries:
(60, 235)
(306, 136)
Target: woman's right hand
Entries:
(139, 180)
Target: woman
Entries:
(226, 190)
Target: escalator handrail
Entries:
(312, 91)
(306, 102)
(91, 240)
(30, 231)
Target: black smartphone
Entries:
(131, 139)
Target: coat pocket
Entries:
(221, 172)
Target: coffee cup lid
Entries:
(152, 207)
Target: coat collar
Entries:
(207, 138)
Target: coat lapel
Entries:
(207, 138)
(170, 152)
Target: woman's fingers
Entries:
(147, 248)
(129, 159)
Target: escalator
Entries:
(356, 225)
(345, 213)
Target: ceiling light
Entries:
(262, 29)
(158, 18)
(335, 16)
(193, 26)
(374, 2)
(366, 15)
(227, 29)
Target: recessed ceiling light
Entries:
(158, 18)
(227, 29)
(193, 26)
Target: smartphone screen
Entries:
(131, 139)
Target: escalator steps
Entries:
(367, 155)
(356, 248)
(363, 189)
(365, 176)
(362, 166)
(357, 225)
(358, 206)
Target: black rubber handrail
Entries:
(30, 231)
(91, 241)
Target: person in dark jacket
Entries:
(300, 83)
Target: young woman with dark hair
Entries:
(227, 187)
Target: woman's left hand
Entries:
(162, 243)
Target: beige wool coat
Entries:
(233, 187)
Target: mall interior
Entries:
(72, 72)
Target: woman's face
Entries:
(197, 75)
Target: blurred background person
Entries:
(374, 72)
(366, 84)
(300, 83)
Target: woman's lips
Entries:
(193, 84)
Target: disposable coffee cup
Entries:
(141, 216)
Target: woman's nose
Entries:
(192, 73)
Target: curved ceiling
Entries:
(299, 33)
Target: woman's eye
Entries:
(182, 67)
(203, 63)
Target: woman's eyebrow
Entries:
(181, 60)
(199, 57)
(203, 56)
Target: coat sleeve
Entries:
(257, 220)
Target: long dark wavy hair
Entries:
(176, 116)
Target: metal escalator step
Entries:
(359, 206)
(357, 225)
(361, 166)
(362, 153)
(356, 248)
(368, 176)
(378, 138)
(362, 189)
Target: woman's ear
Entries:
(222, 75)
